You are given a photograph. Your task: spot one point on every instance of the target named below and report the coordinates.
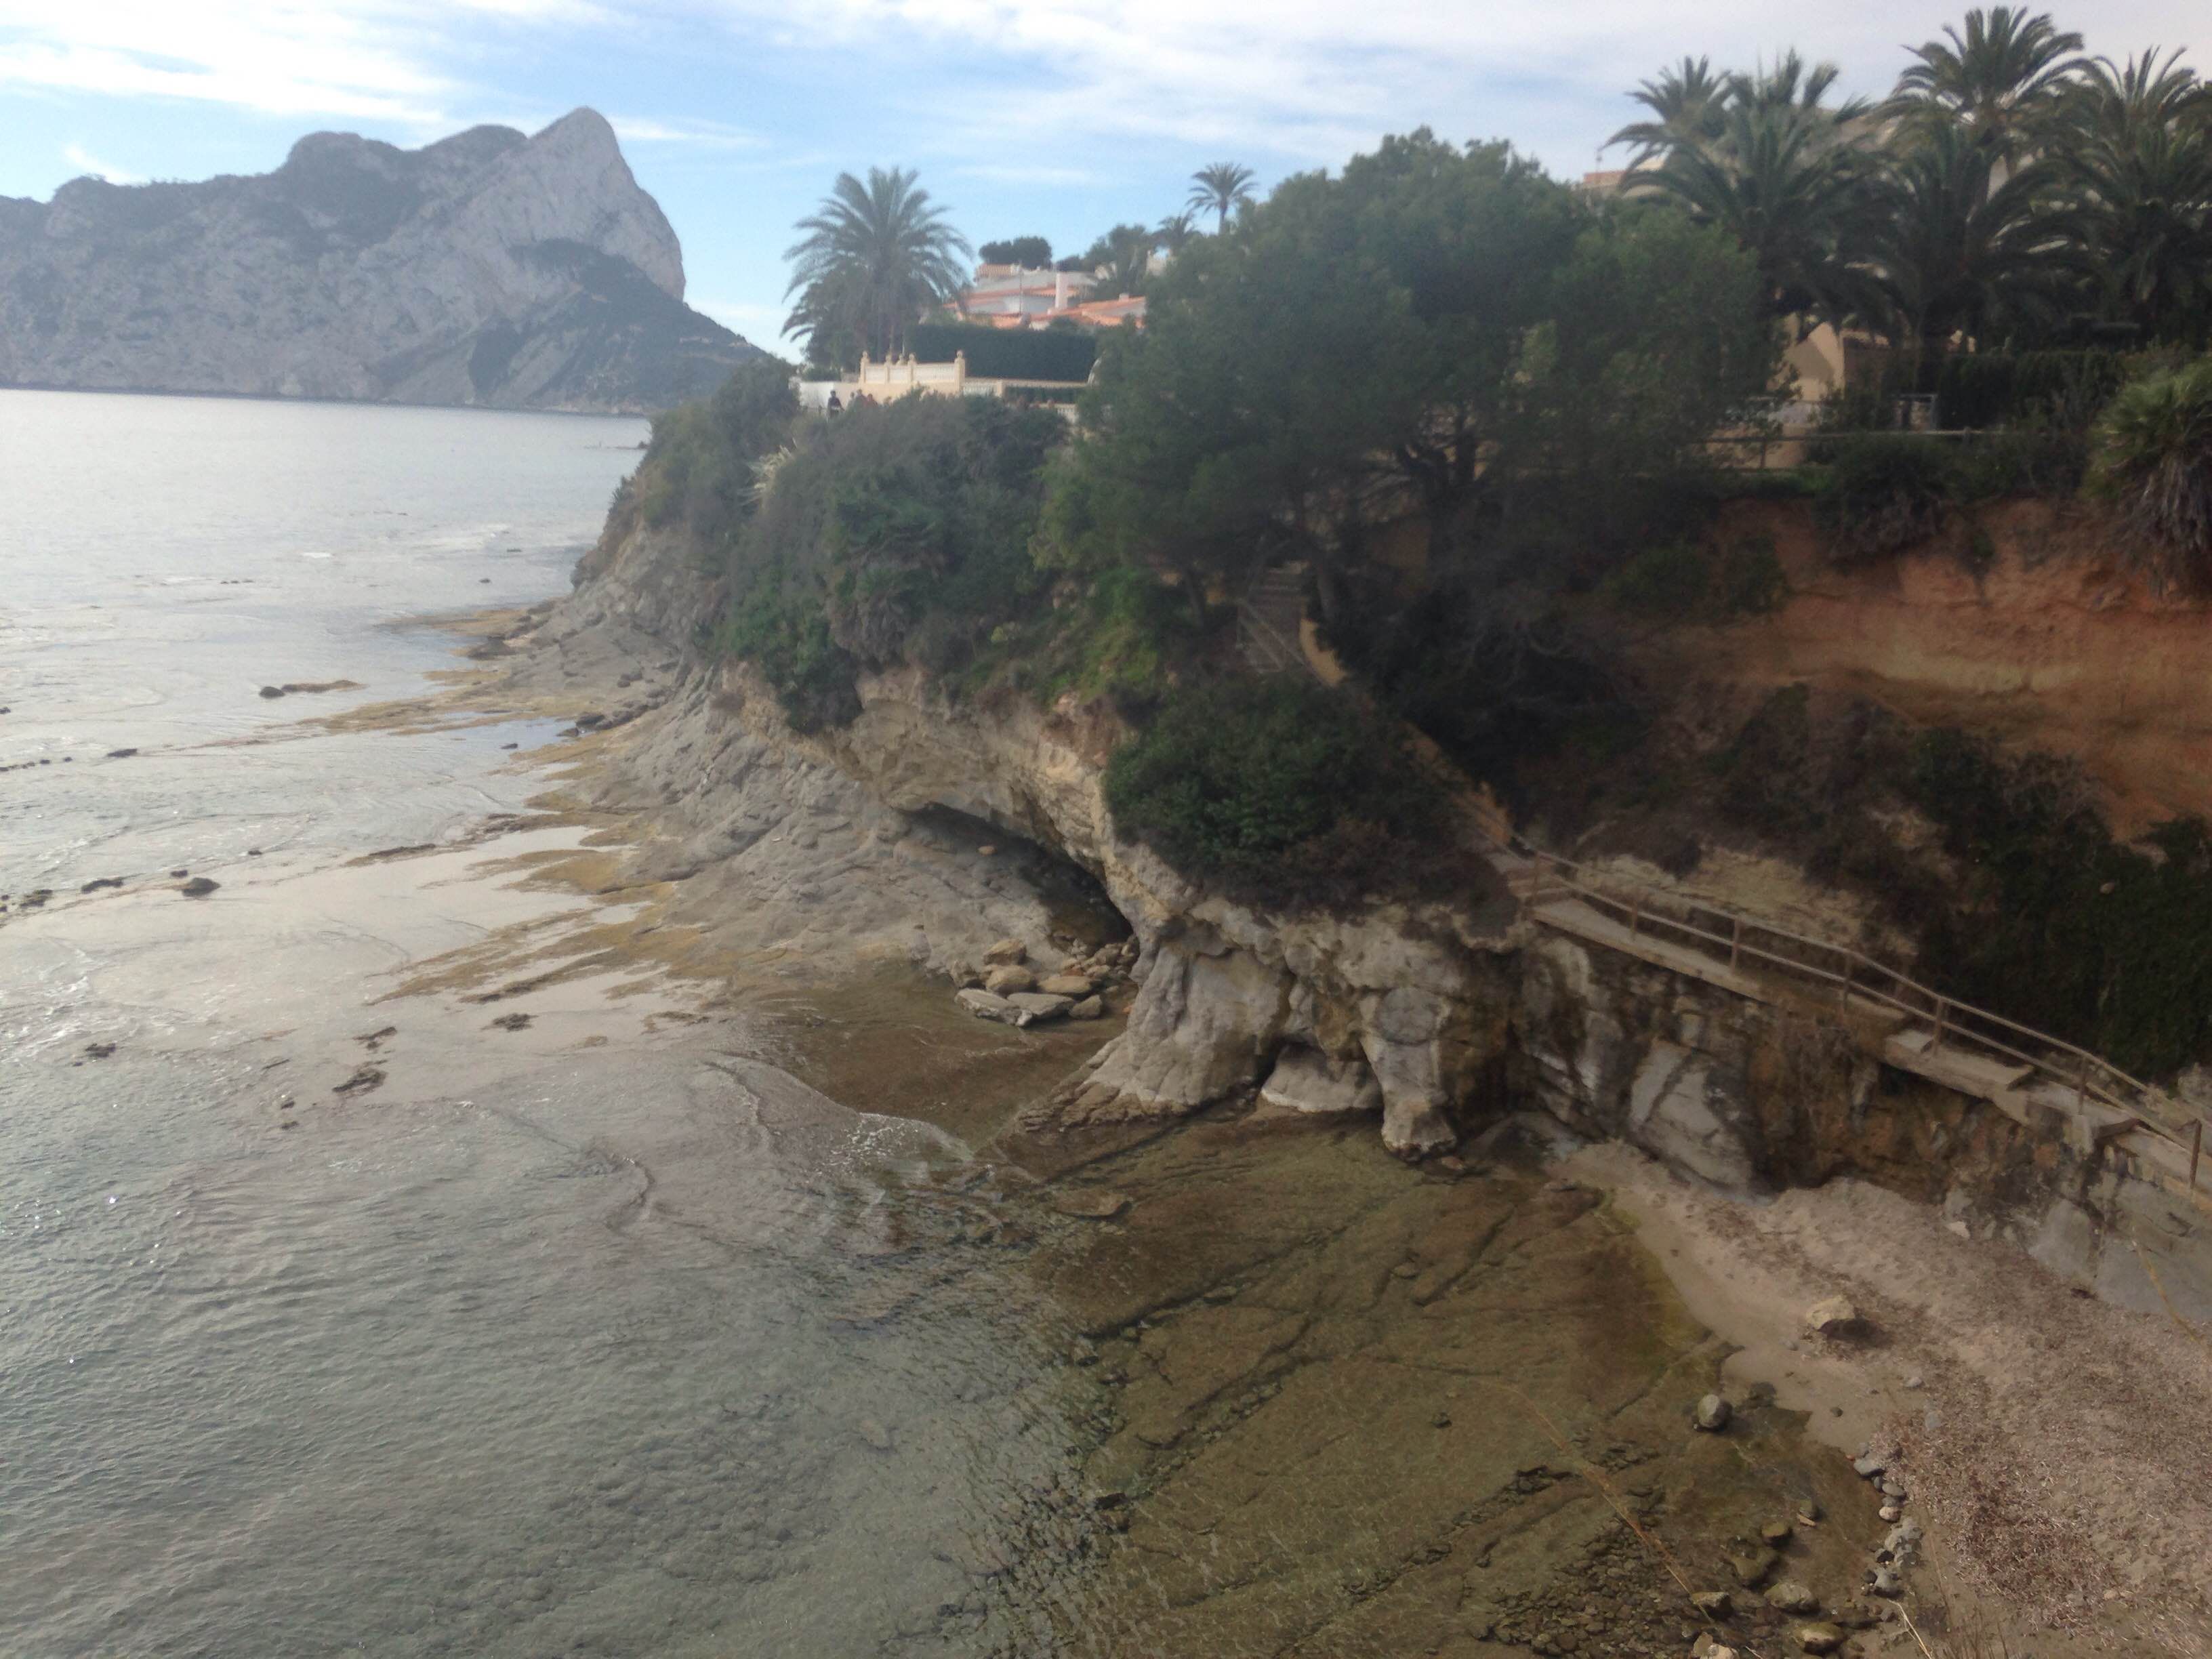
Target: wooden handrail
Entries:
(1856, 974)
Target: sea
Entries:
(589, 1355)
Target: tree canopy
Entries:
(1438, 329)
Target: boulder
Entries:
(1006, 951)
(1712, 1414)
(1714, 1604)
(1088, 1008)
(1790, 1596)
(1751, 1570)
(1832, 1315)
(1037, 1006)
(198, 887)
(985, 1005)
(1306, 1080)
(1006, 978)
(1819, 1639)
(1068, 985)
(875, 1434)
(1094, 1204)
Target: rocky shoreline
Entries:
(916, 838)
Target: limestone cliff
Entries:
(1444, 1018)
(486, 269)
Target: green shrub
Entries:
(2154, 458)
(1885, 493)
(1750, 580)
(1278, 788)
(698, 469)
(2063, 928)
(2039, 457)
(1681, 581)
(896, 532)
(786, 635)
(1668, 583)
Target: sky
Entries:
(1058, 117)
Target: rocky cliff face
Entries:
(487, 268)
(1442, 1020)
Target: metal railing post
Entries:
(1942, 1007)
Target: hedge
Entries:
(1010, 354)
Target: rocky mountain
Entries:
(487, 268)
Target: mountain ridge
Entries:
(489, 269)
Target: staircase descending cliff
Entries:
(2042, 1082)
(1269, 620)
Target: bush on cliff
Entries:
(2154, 459)
(699, 469)
(2107, 945)
(1885, 492)
(892, 534)
(1278, 789)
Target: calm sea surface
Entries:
(591, 1359)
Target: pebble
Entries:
(1712, 1414)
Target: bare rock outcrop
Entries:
(487, 268)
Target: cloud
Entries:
(1311, 80)
(85, 162)
(990, 83)
(369, 60)
(700, 135)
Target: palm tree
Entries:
(1127, 261)
(2116, 100)
(1794, 84)
(1966, 247)
(2004, 80)
(1686, 102)
(1794, 189)
(1172, 233)
(1220, 189)
(2141, 159)
(873, 258)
